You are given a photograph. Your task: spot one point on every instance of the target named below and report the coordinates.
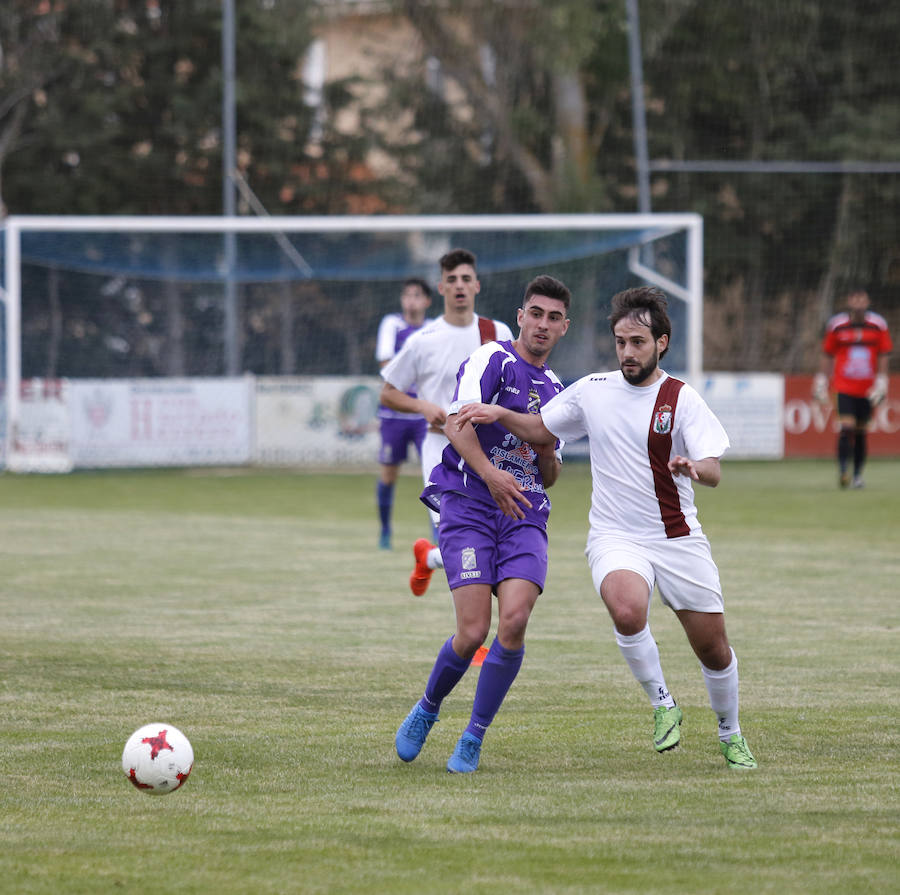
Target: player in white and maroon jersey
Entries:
(651, 436)
(429, 360)
(855, 351)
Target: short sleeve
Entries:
(700, 432)
(400, 372)
(479, 376)
(386, 340)
(563, 414)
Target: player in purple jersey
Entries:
(490, 489)
(399, 430)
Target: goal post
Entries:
(124, 296)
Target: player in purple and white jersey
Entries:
(651, 437)
(399, 429)
(490, 489)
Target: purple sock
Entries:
(384, 495)
(446, 674)
(499, 670)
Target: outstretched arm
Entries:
(707, 471)
(527, 426)
(392, 397)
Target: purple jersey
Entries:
(495, 374)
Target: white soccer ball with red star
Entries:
(157, 758)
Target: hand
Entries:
(435, 415)
(683, 466)
(507, 493)
(820, 388)
(477, 413)
(878, 392)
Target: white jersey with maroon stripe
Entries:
(430, 358)
(633, 431)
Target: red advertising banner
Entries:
(810, 429)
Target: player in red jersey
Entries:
(855, 356)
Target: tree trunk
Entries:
(839, 255)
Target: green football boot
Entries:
(666, 727)
(737, 753)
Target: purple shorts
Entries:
(396, 437)
(480, 545)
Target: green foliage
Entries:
(129, 115)
(756, 81)
(252, 610)
(504, 123)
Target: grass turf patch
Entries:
(253, 611)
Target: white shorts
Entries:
(682, 568)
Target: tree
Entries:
(501, 110)
(36, 59)
(127, 119)
(116, 108)
(792, 81)
(113, 106)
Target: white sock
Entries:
(722, 687)
(642, 655)
(435, 560)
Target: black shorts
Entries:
(859, 408)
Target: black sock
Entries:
(844, 448)
(860, 447)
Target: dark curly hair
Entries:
(647, 305)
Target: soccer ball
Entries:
(157, 758)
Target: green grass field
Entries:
(252, 610)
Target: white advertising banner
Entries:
(160, 422)
(317, 421)
(749, 406)
(41, 440)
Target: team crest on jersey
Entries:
(467, 558)
(662, 420)
(534, 401)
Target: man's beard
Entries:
(537, 349)
(643, 372)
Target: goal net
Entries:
(202, 326)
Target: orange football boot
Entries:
(421, 574)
